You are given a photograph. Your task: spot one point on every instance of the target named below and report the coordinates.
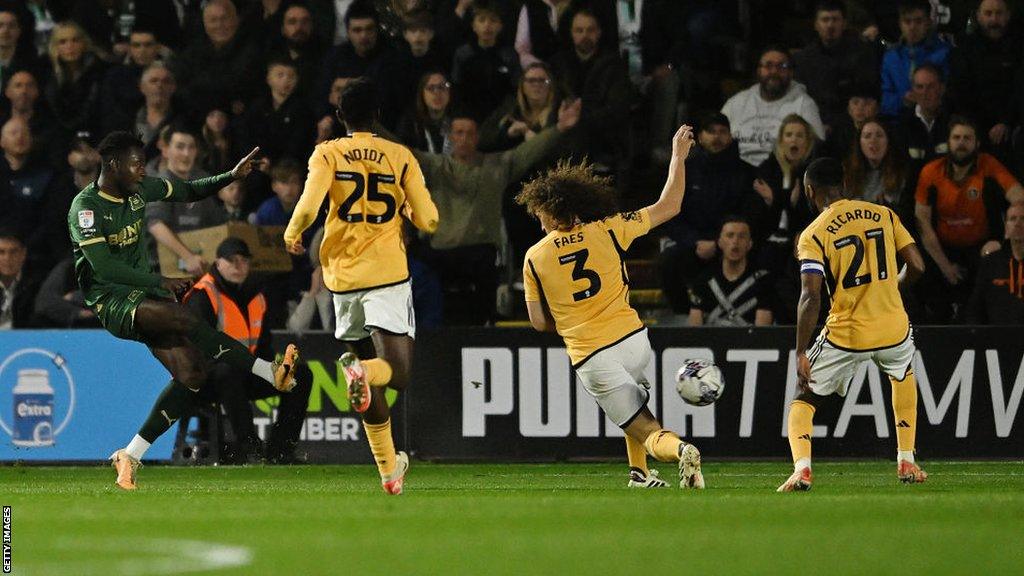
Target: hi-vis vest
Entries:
(229, 318)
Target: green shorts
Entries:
(116, 305)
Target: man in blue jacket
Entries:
(918, 44)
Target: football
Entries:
(699, 382)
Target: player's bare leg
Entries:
(368, 371)
(666, 446)
(188, 371)
(155, 320)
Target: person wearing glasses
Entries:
(532, 108)
(756, 113)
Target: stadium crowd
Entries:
(922, 101)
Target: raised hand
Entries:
(682, 142)
(245, 165)
(569, 114)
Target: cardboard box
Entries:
(265, 242)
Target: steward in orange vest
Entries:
(227, 298)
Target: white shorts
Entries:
(615, 377)
(832, 368)
(388, 308)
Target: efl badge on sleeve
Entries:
(85, 219)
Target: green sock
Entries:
(221, 347)
(168, 408)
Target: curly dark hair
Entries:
(117, 144)
(570, 194)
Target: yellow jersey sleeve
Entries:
(810, 253)
(318, 182)
(419, 207)
(900, 233)
(628, 226)
(530, 283)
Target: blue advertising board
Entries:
(75, 395)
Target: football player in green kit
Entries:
(111, 247)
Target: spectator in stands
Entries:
(279, 121)
(298, 45)
(18, 288)
(73, 85)
(120, 93)
(228, 298)
(982, 74)
(733, 293)
(22, 93)
(14, 55)
(718, 183)
(165, 220)
(834, 62)
(173, 21)
(28, 189)
(107, 23)
(862, 104)
(876, 171)
(261, 21)
(454, 22)
(316, 302)
(483, 71)
(329, 126)
(756, 113)
(959, 201)
(924, 129)
(783, 212)
(537, 30)
(232, 197)
(532, 108)
(998, 296)
(404, 67)
(158, 110)
(360, 55)
(427, 125)
(599, 78)
(60, 302)
(219, 65)
(220, 145)
(467, 187)
(286, 178)
(918, 45)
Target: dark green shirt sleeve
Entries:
(155, 189)
(110, 270)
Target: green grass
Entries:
(516, 519)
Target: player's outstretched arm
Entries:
(540, 317)
(419, 206)
(807, 311)
(913, 266)
(318, 182)
(671, 200)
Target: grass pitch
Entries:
(515, 519)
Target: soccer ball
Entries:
(699, 382)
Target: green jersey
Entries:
(109, 235)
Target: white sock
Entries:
(801, 464)
(137, 447)
(908, 456)
(263, 369)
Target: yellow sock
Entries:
(378, 371)
(663, 445)
(904, 408)
(382, 446)
(637, 454)
(801, 425)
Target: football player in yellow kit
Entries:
(852, 247)
(372, 184)
(576, 284)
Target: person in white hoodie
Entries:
(756, 113)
